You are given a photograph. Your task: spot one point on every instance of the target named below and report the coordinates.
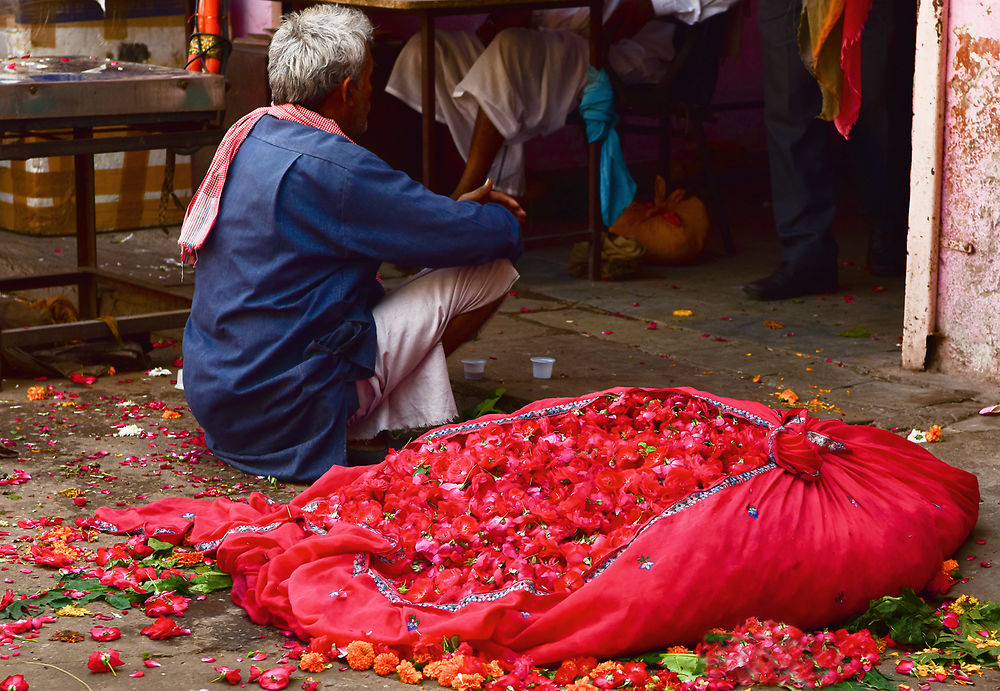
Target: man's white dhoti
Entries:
(527, 81)
(410, 387)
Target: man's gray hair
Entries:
(315, 50)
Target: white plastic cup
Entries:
(541, 367)
(474, 368)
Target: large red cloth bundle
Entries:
(609, 524)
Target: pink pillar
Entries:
(953, 277)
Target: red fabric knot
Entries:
(800, 450)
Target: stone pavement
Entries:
(838, 353)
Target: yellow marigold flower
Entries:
(408, 674)
(312, 662)
(386, 663)
(360, 655)
(72, 611)
(683, 313)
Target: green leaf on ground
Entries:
(905, 618)
(687, 666)
(210, 581)
(856, 332)
(487, 406)
(159, 545)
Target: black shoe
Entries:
(782, 285)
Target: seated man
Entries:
(522, 73)
(292, 346)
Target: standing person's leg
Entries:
(802, 181)
(417, 323)
(881, 139)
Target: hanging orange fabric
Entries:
(830, 44)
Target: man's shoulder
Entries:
(309, 141)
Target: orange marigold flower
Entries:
(171, 414)
(949, 565)
(788, 396)
(466, 682)
(581, 685)
(444, 671)
(934, 433)
(360, 655)
(493, 669)
(408, 674)
(189, 558)
(605, 667)
(386, 663)
(312, 662)
(678, 650)
(36, 393)
(433, 668)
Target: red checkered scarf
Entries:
(204, 207)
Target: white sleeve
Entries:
(691, 11)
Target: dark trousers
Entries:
(799, 145)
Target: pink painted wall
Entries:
(250, 16)
(968, 303)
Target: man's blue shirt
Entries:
(281, 324)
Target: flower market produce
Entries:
(606, 525)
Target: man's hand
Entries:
(486, 194)
(627, 19)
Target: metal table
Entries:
(428, 10)
(80, 106)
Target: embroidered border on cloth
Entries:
(363, 565)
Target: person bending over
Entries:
(293, 347)
(521, 73)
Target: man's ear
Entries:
(346, 90)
